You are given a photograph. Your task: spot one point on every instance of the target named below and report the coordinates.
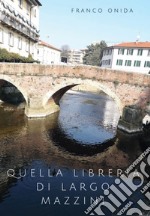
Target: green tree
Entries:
(93, 53)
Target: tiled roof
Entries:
(48, 45)
(136, 44)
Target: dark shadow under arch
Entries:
(74, 147)
(9, 93)
(58, 95)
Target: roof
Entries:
(35, 2)
(39, 3)
(136, 44)
(42, 43)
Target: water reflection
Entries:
(61, 142)
(90, 119)
(75, 147)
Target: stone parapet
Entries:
(42, 86)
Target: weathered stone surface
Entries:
(41, 85)
(131, 120)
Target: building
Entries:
(19, 26)
(75, 56)
(48, 54)
(131, 56)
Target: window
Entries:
(1, 35)
(140, 51)
(35, 12)
(120, 51)
(148, 52)
(19, 43)
(11, 39)
(147, 64)
(27, 46)
(109, 61)
(107, 52)
(129, 51)
(119, 62)
(104, 52)
(28, 8)
(110, 51)
(137, 63)
(106, 62)
(32, 49)
(20, 3)
(128, 63)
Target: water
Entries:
(65, 159)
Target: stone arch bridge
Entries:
(43, 86)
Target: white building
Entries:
(19, 26)
(48, 54)
(131, 56)
(75, 56)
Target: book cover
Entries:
(74, 107)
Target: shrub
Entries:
(6, 56)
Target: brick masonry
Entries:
(40, 84)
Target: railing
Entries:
(13, 23)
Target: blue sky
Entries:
(81, 29)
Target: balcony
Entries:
(11, 22)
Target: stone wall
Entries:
(39, 84)
(89, 72)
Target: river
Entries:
(59, 165)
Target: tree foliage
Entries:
(93, 53)
(65, 51)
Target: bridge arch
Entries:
(13, 82)
(59, 90)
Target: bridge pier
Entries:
(35, 109)
(131, 120)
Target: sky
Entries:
(66, 22)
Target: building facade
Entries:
(48, 54)
(75, 56)
(132, 56)
(19, 26)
